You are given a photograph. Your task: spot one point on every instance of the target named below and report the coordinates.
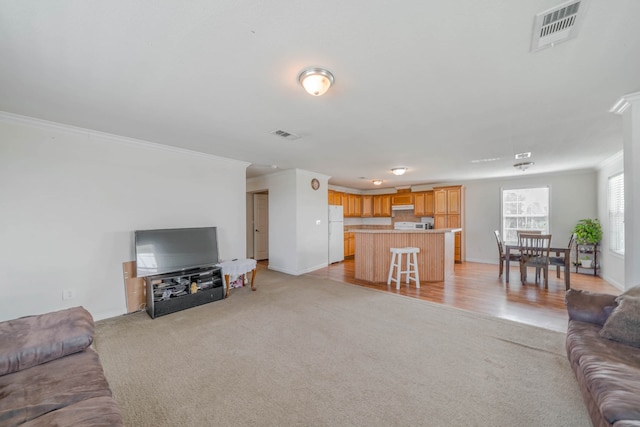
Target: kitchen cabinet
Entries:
(404, 198)
(354, 203)
(382, 205)
(449, 213)
(345, 205)
(423, 203)
(367, 205)
(331, 197)
(440, 202)
(335, 197)
(349, 244)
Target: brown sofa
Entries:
(603, 340)
(49, 374)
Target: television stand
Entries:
(171, 292)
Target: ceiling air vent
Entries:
(557, 25)
(284, 134)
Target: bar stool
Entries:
(412, 266)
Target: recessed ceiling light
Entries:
(521, 156)
(399, 171)
(377, 181)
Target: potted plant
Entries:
(588, 232)
(585, 261)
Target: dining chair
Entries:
(519, 232)
(559, 261)
(534, 252)
(502, 256)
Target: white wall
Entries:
(573, 197)
(71, 198)
(612, 264)
(297, 244)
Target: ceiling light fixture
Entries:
(523, 166)
(399, 171)
(316, 81)
(377, 181)
(521, 156)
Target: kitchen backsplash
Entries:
(405, 216)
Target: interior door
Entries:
(260, 226)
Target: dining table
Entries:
(557, 251)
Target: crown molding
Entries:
(625, 102)
(60, 127)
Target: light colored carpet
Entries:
(303, 351)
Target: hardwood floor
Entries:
(476, 287)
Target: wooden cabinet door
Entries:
(352, 244)
(345, 205)
(355, 207)
(367, 205)
(454, 202)
(330, 196)
(440, 221)
(453, 221)
(349, 244)
(402, 199)
(346, 244)
(377, 205)
(382, 205)
(428, 203)
(419, 204)
(440, 202)
(386, 205)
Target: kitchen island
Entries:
(373, 256)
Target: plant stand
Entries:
(582, 250)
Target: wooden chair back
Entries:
(500, 244)
(534, 248)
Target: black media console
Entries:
(171, 292)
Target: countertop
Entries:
(432, 231)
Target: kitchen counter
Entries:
(373, 256)
(433, 231)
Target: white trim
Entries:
(60, 127)
(300, 272)
(624, 102)
(619, 156)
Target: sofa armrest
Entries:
(33, 340)
(589, 307)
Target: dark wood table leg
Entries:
(567, 270)
(507, 266)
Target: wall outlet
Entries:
(68, 294)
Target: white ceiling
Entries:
(427, 85)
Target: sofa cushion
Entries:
(631, 292)
(94, 412)
(623, 324)
(588, 306)
(611, 371)
(31, 393)
(32, 340)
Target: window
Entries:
(616, 214)
(524, 209)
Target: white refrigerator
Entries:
(336, 234)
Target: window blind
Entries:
(616, 214)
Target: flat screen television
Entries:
(173, 250)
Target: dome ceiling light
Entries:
(399, 171)
(377, 181)
(316, 81)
